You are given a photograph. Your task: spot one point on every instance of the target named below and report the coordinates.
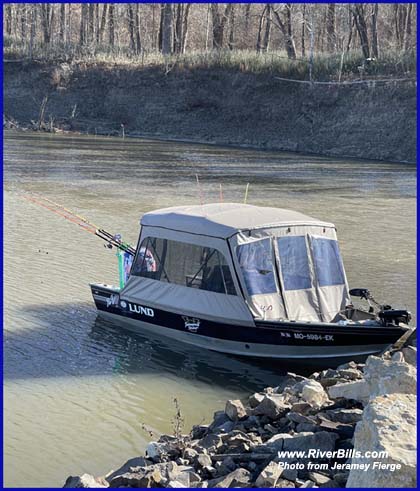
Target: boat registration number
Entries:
(314, 337)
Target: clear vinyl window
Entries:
(184, 264)
(328, 262)
(294, 263)
(256, 262)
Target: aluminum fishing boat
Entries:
(247, 280)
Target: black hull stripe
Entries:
(281, 334)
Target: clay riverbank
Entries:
(359, 419)
(369, 121)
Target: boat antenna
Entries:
(246, 193)
(200, 193)
(221, 193)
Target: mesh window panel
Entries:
(294, 263)
(256, 264)
(328, 263)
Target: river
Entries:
(80, 395)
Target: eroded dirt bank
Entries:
(363, 121)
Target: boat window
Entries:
(328, 263)
(294, 263)
(184, 264)
(255, 260)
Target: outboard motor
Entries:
(391, 317)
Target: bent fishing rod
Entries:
(113, 240)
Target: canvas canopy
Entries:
(228, 260)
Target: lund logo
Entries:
(191, 323)
(138, 309)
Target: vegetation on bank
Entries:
(317, 42)
(323, 67)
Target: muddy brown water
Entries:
(77, 389)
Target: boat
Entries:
(247, 280)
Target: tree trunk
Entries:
(359, 18)
(247, 15)
(351, 26)
(167, 33)
(23, 21)
(178, 27)
(303, 32)
(407, 30)
(103, 22)
(97, 23)
(8, 16)
(32, 29)
(231, 42)
(111, 25)
(185, 27)
(130, 17)
(374, 29)
(331, 34)
(47, 18)
(83, 18)
(137, 29)
(260, 29)
(62, 22)
(219, 22)
(267, 33)
(285, 25)
(91, 23)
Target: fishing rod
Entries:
(111, 239)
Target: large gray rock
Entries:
(85, 481)
(128, 467)
(357, 390)
(239, 478)
(388, 425)
(235, 410)
(410, 355)
(269, 475)
(255, 399)
(313, 393)
(388, 376)
(273, 406)
(346, 416)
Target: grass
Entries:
(326, 67)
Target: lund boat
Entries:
(247, 280)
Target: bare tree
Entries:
(47, 19)
(361, 26)
(267, 33)
(62, 22)
(374, 30)
(231, 41)
(408, 28)
(331, 34)
(8, 18)
(111, 25)
(130, 19)
(283, 20)
(167, 31)
(103, 23)
(303, 32)
(219, 19)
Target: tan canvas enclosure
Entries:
(228, 261)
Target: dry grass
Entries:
(325, 66)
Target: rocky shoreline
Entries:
(306, 432)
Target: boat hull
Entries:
(275, 340)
